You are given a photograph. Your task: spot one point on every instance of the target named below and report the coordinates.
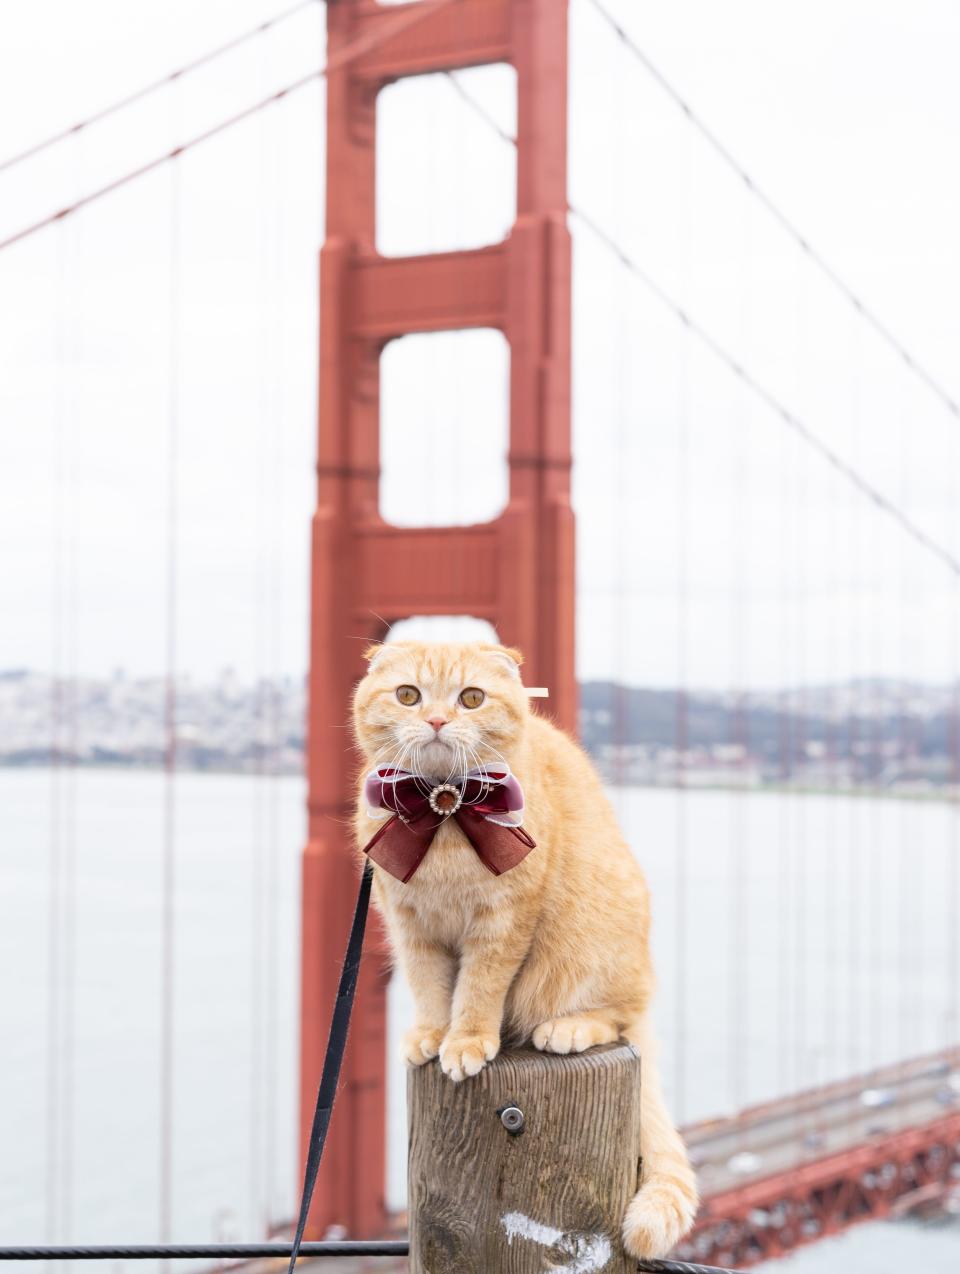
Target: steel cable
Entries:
(180, 1251)
(360, 46)
(779, 409)
(786, 224)
(148, 89)
(759, 390)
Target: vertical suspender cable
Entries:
(66, 973)
(168, 888)
(682, 740)
(905, 858)
(877, 881)
(68, 970)
(622, 505)
(801, 861)
(833, 858)
(619, 777)
(262, 532)
(854, 1062)
(269, 178)
(681, 708)
(919, 1029)
(785, 755)
(736, 885)
(784, 771)
(738, 732)
(262, 691)
(54, 1050)
(61, 939)
(834, 855)
(276, 620)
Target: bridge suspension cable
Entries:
(357, 48)
(769, 398)
(204, 59)
(786, 223)
(746, 377)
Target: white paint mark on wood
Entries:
(518, 1226)
(590, 1252)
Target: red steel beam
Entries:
(465, 33)
(423, 571)
(394, 296)
(517, 571)
(767, 1218)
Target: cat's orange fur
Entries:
(555, 950)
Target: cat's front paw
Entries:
(463, 1055)
(573, 1034)
(421, 1044)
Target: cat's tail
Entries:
(663, 1209)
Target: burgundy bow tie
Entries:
(487, 805)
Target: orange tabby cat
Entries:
(554, 950)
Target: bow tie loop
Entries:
(486, 804)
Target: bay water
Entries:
(799, 938)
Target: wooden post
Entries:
(488, 1195)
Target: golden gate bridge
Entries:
(774, 1176)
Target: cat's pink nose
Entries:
(437, 722)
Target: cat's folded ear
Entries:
(508, 656)
(373, 653)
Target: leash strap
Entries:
(337, 1042)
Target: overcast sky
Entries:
(713, 547)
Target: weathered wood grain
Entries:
(551, 1198)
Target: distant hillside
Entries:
(877, 732)
(867, 725)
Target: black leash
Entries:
(333, 1059)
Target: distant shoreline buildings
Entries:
(877, 734)
(121, 721)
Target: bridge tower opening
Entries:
(516, 571)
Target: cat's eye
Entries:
(472, 697)
(408, 695)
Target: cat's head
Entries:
(440, 709)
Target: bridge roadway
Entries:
(778, 1136)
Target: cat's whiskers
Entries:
(397, 753)
(457, 769)
(497, 756)
(423, 786)
(384, 759)
(473, 761)
(494, 757)
(400, 753)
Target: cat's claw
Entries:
(421, 1044)
(465, 1055)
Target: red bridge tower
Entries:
(517, 571)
